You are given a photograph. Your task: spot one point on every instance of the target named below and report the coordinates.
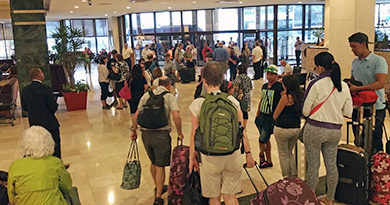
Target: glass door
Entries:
(140, 42)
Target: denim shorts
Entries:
(264, 125)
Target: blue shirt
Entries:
(221, 54)
(364, 71)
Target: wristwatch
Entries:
(248, 152)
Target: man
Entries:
(146, 52)
(87, 59)
(170, 72)
(219, 175)
(236, 49)
(298, 50)
(149, 61)
(157, 142)
(127, 53)
(206, 48)
(110, 65)
(371, 70)
(194, 52)
(287, 70)
(38, 100)
(257, 56)
(264, 50)
(179, 56)
(221, 56)
(271, 93)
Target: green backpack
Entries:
(217, 133)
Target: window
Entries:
(295, 16)
(127, 24)
(77, 24)
(225, 19)
(270, 17)
(317, 16)
(250, 18)
(134, 24)
(205, 20)
(282, 17)
(101, 27)
(176, 21)
(51, 26)
(262, 17)
(89, 28)
(162, 22)
(8, 32)
(189, 21)
(147, 22)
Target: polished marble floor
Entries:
(96, 142)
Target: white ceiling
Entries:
(60, 9)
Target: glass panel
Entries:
(77, 24)
(225, 19)
(50, 45)
(317, 16)
(147, 22)
(286, 49)
(228, 38)
(204, 20)
(51, 26)
(270, 17)
(249, 39)
(67, 22)
(3, 54)
(102, 43)
(140, 42)
(295, 16)
(10, 48)
(384, 16)
(308, 7)
(188, 21)
(270, 45)
(262, 17)
(163, 45)
(101, 27)
(250, 18)
(91, 44)
(8, 31)
(1, 32)
(89, 28)
(282, 17)
(309, 37)
(176, 21)
(135, 24)
(127, 24)
(162, 22)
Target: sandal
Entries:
(325, 200)
(266, 165)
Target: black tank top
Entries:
(289, 118)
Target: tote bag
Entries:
(125, 92)
(132, 172)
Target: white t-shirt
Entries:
(258, 53)
(287, 69)
(148, 77)
(194, 52)
(156, 81)
(127, 52)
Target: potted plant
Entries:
(318, 33)
(67, 42)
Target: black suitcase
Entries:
(185, 75)
(192, 73)
(354, 164)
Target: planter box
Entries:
(76, 101)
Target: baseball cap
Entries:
(358, 37)
(272, 68)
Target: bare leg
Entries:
(215, 200)
(268, 152)
(160, 178)
(230, 199)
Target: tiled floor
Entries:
(96, 142)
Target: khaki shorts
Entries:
(221, 174)
(224, 65)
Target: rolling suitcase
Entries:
(192, 73)
(178, 173)
(353, 164)
(185, 75)
(286, 191)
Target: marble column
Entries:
(29, 30)
(342, 19)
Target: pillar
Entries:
(342, 19)
(113, 28)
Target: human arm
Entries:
(281, 105)
(11, 186)
(50, 100)
(380, 81)
(64, 177)
(193, 164)
(347, 107)
(134, 125)
(177, 121)
(248, 155)
(311, 95)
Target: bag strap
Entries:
(133, 152)
(319, 105)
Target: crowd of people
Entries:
(325, 103)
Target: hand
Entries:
(353, 88)
(133, 135)
(250, 162)
(180, 136)
(193, 165)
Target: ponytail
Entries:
(336, 76)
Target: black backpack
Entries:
(152, 115)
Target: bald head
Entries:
(283, 63)
(36, 74)
(164, 81)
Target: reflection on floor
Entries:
(96, 142)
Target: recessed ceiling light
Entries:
(76, 7)
(194, 2)
(169, 7)
(240, 2)
(71, 12)
(84, 1)
(299, 2)
(114, 12)
(128, 7)
(106, 14)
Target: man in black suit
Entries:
(38, 100)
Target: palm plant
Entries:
(67, 41)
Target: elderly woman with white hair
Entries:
(38, 177)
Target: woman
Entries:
(243, 87)
(38, 177)
(244, 58)
(157, 73)
(322, 131)
(233, 61)
(138, 86)
(188, 57)
(122, 68)
(288, 123)
(103, 80)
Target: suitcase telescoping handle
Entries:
(179, 142)
(250, 178)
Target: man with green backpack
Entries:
(216, 134)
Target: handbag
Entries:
(132, 172)
(125, 92)
(300, 136)
(114, 76)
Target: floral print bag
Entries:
(287, 191)
(380, 178)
